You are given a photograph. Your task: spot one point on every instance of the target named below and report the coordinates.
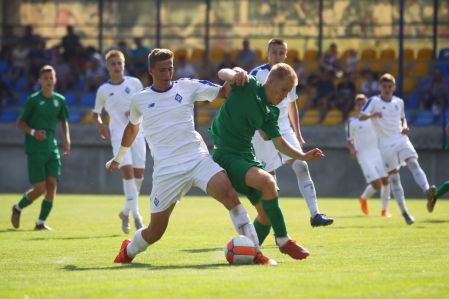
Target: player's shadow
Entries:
(74, 268)
(75, 238)
(201, 250)
(10, 230)
(436, 221)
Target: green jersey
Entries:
(245, 110)
(41, 113)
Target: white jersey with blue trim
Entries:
(389, 126)
(261, 73)
(166, 117)
(362, 133)
(115, 99)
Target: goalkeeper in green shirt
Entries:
(249, 108)
(38, 120)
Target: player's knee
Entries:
(413, 164)
(300, 167)
(377, 184)
(394, 178)
(39, 188)
(269, 187)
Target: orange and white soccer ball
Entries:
(240, 250)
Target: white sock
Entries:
(132, 197)
(39, 222)
(385, 196)
(139, 182)
(398, 191)
(418, 174)
(137, 245)
(306, 186)
(281, 241)
(243, 225)
(368, 192)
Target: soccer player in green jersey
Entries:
(249, 108)
(38, 119)
(441, 189)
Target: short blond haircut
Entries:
(114, 53)
(46, 68)
(387, 78)
(360, 97)
(282, 71)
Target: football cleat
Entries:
(138, 222)
(125, 222)
(385, 213)
(320, 220)
(408, 218)
(363, 205)
(15, 217)
(294, 250)
(260, 259)
(42, 226)
(122, 257)
(431, 198)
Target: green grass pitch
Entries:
(357, 257)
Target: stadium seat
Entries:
(412, 101)
(344, 56)
(310, 67)
(260, 55)
(197, 55)
(358, 84)
(9, 114)
(3, 66)
(215, 104)
(310, 55)
(75, 115)
(217, 54)
(379, 67)
(292, 54)
(425, 54)
(302, 101)
(419, 69)
(408, 85)
(408, 54)
(311, 117)
(202, 116)
(88, 99)
(444, 54)
(23, 96)
(20, 84)
(181, 52)
(333, 117)
(408, 116)
(353, 113)
(424, 118)
(70, 98)
(387, 55)
(87, 118)
(368, 54)
(444, 117)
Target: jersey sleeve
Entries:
(204, 90)
(100, 101)
(137, 85)
(63, 114)
(349, 130)
(135, 117)
(368, 108)
(401, 104)
(270, 125)
(292, 96)
(27, 110)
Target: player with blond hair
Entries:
(387, 114)
(114, 96)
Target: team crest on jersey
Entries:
(111, 94)
(178, 98)
(151, 105)
(56, 103)
(127, 90)
(156, 201)
(396, 107)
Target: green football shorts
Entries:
(236, 166)
(42, 165)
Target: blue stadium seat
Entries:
(3, 66)
(412, 101)
(20, 84)
(23, 96)
(446, 115)
(88, 99)
(10, 114)
(408, 116)
(424, 118)
(444, 54)
(75, 115)
(70, 98)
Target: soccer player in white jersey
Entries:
(387, 114)
(362, 144)
(114, 97)
(265, 151)
(181, 158)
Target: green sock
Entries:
(443, 189)
(45, 209)
(262, 230)
(24, 202)
(274, 213)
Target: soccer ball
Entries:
(240, 250)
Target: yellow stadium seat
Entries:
(379, 67)
(425, 54)
(180, 52)
(310, 55)
(292, 54)
(394, 69)
(368, 54)
(87, 118)
(259, 55)
(302, 101)
(353, 113)
(387, 54)
(216, 103)
(311, 117)
(408, 54)
(217, 54)
(197, 55)
(333, 117)
(346, 54)
(358, 84)
(310, 67)
(419, 69)
(234, 54)
(408, 85)
(203, 116)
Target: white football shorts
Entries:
(136, 155)
(396, 152)
(169, 188)
(372, 166)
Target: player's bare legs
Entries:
(264, 182)
(220, 188)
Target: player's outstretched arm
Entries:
(66, 145)
(236, 76)
(128, 137)
(365, 116)
(294, 121)
(286, 148)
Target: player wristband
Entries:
(121, 154)
(32, 132)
